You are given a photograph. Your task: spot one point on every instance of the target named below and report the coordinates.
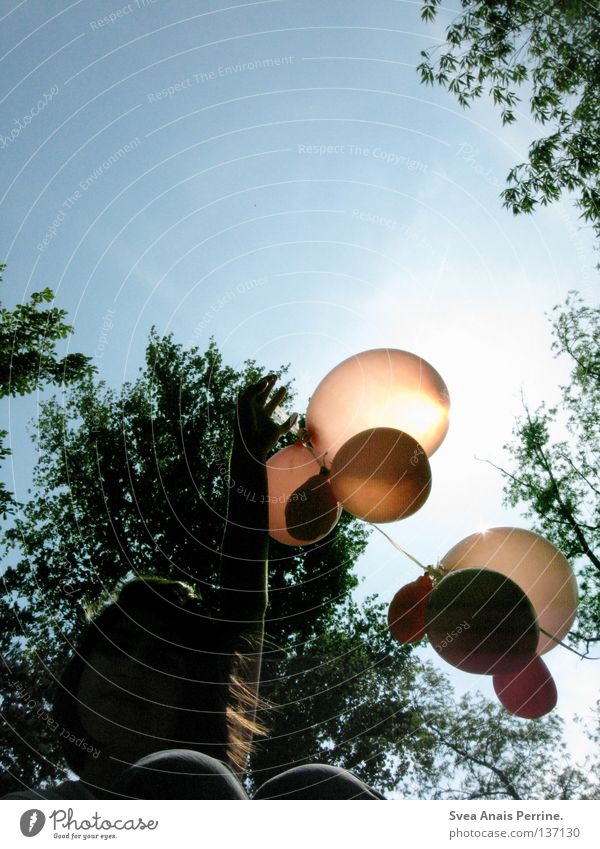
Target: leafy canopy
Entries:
(552, 51)
(132, 481)
(558, 479)
(28, 337)
(28, 361)
(354, 698)
(135, 481)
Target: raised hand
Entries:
(255, 427)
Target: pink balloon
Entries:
(288, 472)
(383, 387)
(528, 693)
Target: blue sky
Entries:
(273, 174)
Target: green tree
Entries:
(135, 482)
(28, 361)
(551, 51)
(480, 751)
(555, 472)
(342, 697)
(592, 764)
(132, 481)
(355, 698)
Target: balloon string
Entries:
(399, 547)
(414, 559)
(568, 648)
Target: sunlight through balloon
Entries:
(383, 387)
(288, 473)
(542, 572)
(381, 475)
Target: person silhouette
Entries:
(159, 698)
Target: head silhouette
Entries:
(152, 671)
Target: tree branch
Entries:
(583, 477)
(499, 773)
(568, 515)
(585, 366)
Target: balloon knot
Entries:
(436, 571)
(303, 436)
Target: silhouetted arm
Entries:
(245, 544)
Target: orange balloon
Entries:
(482, 622)
(383, 387)
(381, 475)
(529, 693)
(312, 510)
(287, 472)
(542, 572)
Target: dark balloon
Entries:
(480, 621)
(288, 471)
(542, 572)
(528, 693)
(312, 510)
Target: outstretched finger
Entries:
(266, 384)
(288, 425)
(275, 400)
(261, 388)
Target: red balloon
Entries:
(406, 613)
(528, 693)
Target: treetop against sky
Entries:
(276, 176)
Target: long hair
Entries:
(217, 711)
